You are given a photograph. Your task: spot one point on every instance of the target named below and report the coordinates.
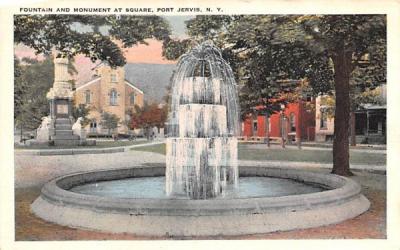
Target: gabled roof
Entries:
(89, 83)
(100, 64)
(97, 79)
(132, 86)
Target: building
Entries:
(324, 123)
(296, 118)
(370, 121)
(108, 91)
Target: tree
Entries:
(109, 121)
(30, 88)
(65, 33)
(19, 88)
(346, 39)
(149, 116)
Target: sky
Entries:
(151, 53)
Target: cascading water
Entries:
(201, 157)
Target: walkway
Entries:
(83, 150)
(31, 170)
(317, 148)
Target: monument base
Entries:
(61, 110)
(63, 134)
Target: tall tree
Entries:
(30, 88)
(346, 39)
(95, 36)
(19, 88)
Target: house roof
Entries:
(97, 79)
(133, 86)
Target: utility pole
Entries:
(283, 125)
(299, 117)
(267, 129)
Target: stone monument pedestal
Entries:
(60, 97)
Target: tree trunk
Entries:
(21, 131)
(353, 128)
(267, 130)
(253, 131)
(343, 68)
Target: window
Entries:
(255, 127)
(292, 122)
(323, 120)
(132, 99)
(93, 126)
(114, 77)
(113, 97)
(87, 96)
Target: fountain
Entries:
(201, 151)
(198, 192)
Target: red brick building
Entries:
(296, 119)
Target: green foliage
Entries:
(44, 33)
(19, 88)
(207, 27)
(173, 49)
(30, 89)
(109, 121)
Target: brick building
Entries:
(296, 118)
(108, 91)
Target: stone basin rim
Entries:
(342, 190)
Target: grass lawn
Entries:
(158, 148)
(279, 154)
(99, 144)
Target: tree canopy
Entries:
(95, 36)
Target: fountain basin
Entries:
(181, 217)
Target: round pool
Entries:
(154, 188)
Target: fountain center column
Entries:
(201, 157)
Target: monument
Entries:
(60, 97)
